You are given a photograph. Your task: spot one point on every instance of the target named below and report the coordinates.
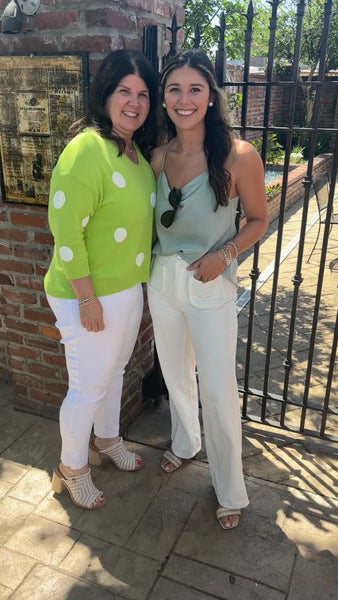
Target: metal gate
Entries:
(288, 383)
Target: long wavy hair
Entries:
(114, 67)
(218, 139)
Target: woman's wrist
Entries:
(86, 301)
(228, 252)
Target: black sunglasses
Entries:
(175, 197)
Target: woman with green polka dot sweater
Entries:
(101, 205)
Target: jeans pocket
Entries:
(157, 276)
(206, 295)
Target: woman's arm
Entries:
(247, 176)
(91, 313)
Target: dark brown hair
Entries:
(116, 66)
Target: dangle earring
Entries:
(163, 104)
(211, 104)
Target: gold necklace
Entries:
(189, 151)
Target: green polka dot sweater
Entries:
(100, 214)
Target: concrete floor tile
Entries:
(12, 425)
(237, 551)
(194, 478)
(34, 442)
(13, 514)
(294, 466)
(311, 534)
(153, 426)
(43, 540)
(170, 590)
(5, 592)
(118, 570)
(128, 496)
(162, 523)
(5, 487)
(32, 487)
(220, 584)
(14, 568)
(315, 577)
(44, 582)
(58, 508)
(10, 471)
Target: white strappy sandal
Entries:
(80, 488)
(118, 454)
(228, 512)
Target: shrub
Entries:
(274, 151)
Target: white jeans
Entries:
(196, 324)
(96, 364)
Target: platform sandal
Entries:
(228, 512)
(175, 462)
(80, 488)
(117, 453)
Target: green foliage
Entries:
(274, 150)
(296, 155)
(272, 190)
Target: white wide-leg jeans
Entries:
(96, 364)
(196, 324)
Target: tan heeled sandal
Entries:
(228, 512)
(80, 488)
(117, 453)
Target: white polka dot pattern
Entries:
(84, 222)
(153, 199)
(66, 253)
(118, 179)
(59, 199)
(120, 234)
(139, 259)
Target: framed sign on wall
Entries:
(41, 95)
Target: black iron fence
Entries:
(325, 409)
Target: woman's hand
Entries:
(91, 316)
(208, 267)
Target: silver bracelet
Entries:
(86, 301)
(234, 245)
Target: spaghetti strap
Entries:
(165, 153)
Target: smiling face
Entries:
(186, 96)
(128, 106)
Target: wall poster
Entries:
(40, 97)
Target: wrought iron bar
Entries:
(248, 41)
(272, 37)
(297, 279)
(329, 379)
(320, 77)
(221, 56)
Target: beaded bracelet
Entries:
(87, 301)
(234, 245)
(225, 255)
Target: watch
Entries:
(29, 7)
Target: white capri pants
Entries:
(96, 364)
(195, 323)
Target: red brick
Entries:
(46, 397)
(41, 270)
(23, 352)
(16, 235)
(44, 372)
(30, 252)
(89, 43)
(108, 17)
(29, 380)
(11, 336)
(10, 309)
(39, 316)
(5, 249)
(5, 279)
(16, 266)
(50, 332)
(18, 365)
(29, 283)
(35, 43)
(28, 220)
(51, 359)
(57, 20)
(59, 388)
(19, 297)
(17, 325)
(45, 239)
(42, 344)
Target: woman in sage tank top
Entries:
(201, 173)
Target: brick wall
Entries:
(30, 352)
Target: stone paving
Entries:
(158, 538)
